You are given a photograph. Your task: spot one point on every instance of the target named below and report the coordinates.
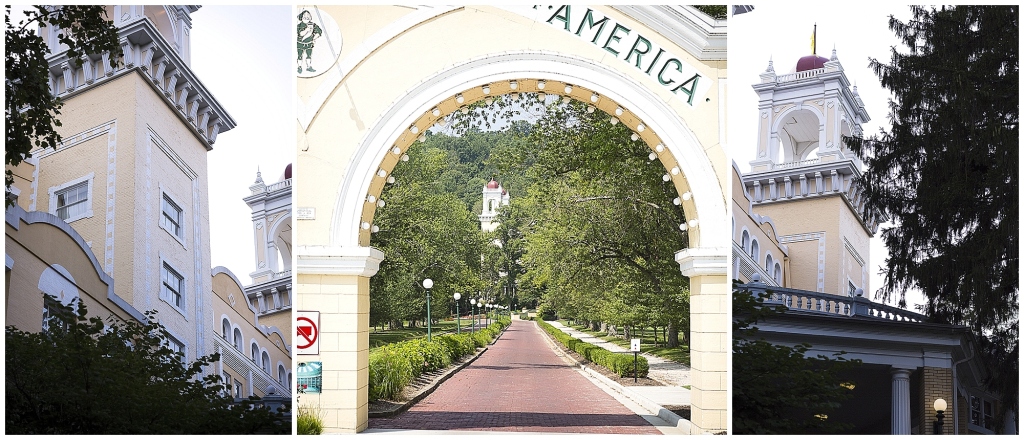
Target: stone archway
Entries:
(335, 261)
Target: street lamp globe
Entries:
(457, 296)
(940, 405)
(472, 301)
(428, 283)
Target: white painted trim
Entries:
(89, 197)
(811, 236)
(330, 260)
(184, 286)
(679, 139)
(703, 261)
(160, 218)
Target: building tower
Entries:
(131, 174)
(494, 197)
(803, 175)
(270, 291)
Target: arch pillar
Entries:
(335, 281)
(710, 344)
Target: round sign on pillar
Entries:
(307, 332)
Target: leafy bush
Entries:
(309, 420)
(619, 363)
(394, 366)
(390, 371)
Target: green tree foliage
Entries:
(82, 376)
(718, 12)
(31, 111)
(946, 173)
(599, 223)
(425, 232)
(777, 389)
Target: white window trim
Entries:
(170, 337)
(184, 287)
(89, 197)
(160, 221)
(849, 282)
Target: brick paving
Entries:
(519, 385)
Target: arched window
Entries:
(238, 339)
(225, 327)
(755, 251)
(266, 362)
(745, 241)
(281, 374)
(255, 352)
(778, 273)
(768, 263)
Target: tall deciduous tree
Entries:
(31, 110)
(946, 172)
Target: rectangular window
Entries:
(853, 289)
(227, 383)
(73, 201)
(176, 346)
(171, 220)
(238, 389)
(172, 286)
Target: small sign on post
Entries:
(634, 346)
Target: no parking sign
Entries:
(307, 332)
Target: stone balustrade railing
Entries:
(829, 304)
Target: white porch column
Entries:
(900, 401)
(708, 270)
(336, 282)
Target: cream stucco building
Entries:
(130, 177)
(395, 71)
(255, 320)
(801, 231)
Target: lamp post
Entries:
(428, 283)
(472, 302)
(940, 407)
(458, 326)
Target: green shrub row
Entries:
(394, 366)
(620, 363)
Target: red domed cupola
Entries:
(493, 184)
(811, 62)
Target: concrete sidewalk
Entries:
(673, 374)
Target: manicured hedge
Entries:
(620, 363)
(394, 366)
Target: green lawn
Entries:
(384, 337)
(679, 354)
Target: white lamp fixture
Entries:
(540, 84)
(687, 195)
(640, 128)
(652, 156)
(428, 283)
(365, 225)
(568, 88)
(374, 229)
(675, 171)
(382, 173)
(414, 129)
(666, 177)
(593, 98)
(380, 203)
(693, 223)
(676, 201)
(487, 89)
(391, 179)
(436, 111)
(513, 84)
(459, 99)
(614, 120)
(634, 136)
(405, 158)
(370, 198)
(618, 111)
(395, 150)
(590, 109)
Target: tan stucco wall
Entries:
(34, 248)
(129, 171)
(226, 291)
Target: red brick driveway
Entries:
(519, 385)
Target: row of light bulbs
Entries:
(541, 84)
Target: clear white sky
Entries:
(245, 57)
(783, 33)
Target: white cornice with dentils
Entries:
(142, 35)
